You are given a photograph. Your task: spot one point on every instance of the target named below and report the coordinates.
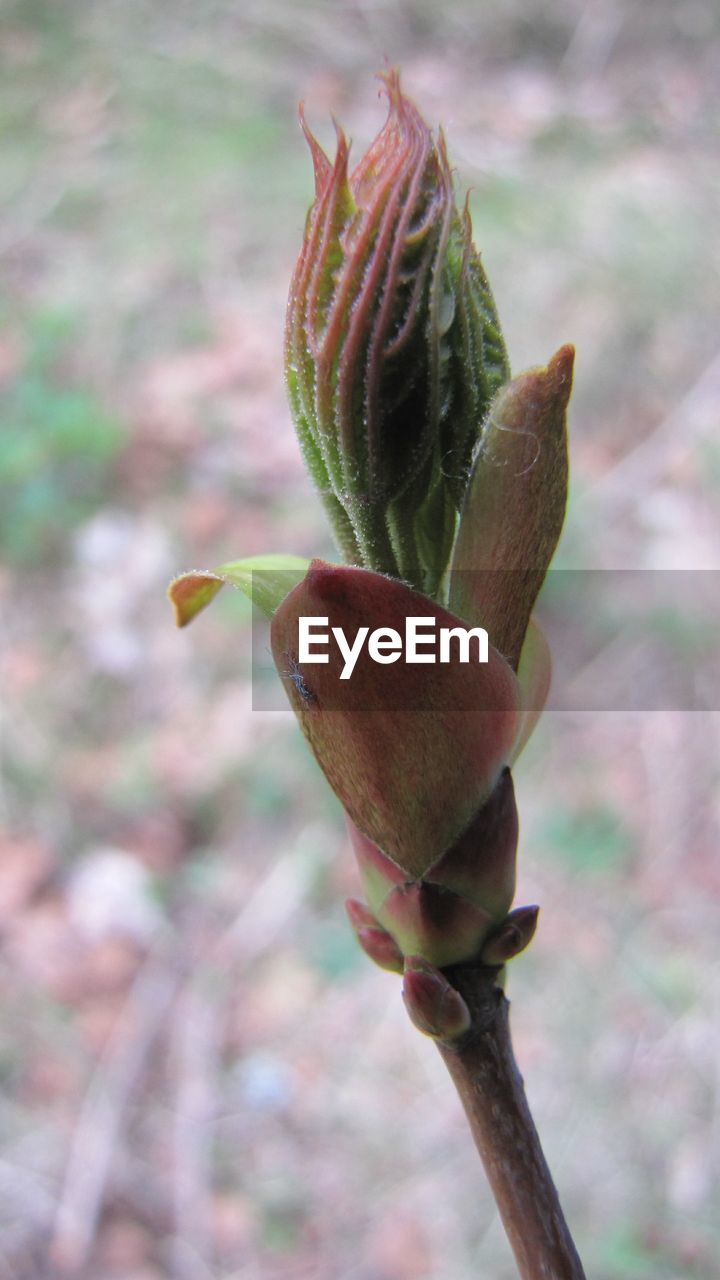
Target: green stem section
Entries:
(342, 528)
(400, 527)
(491, 1090)
(373, 539)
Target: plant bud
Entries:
(393, 347)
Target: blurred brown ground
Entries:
(201, 1077)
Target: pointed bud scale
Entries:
(514, 505)
(423, 918)
(379, 874)
(434, 1006)
(375, 942)
(448, 914)
(480, 865)
(412, 751)
(393, 347)
(433, 922)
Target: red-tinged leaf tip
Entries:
(434, 1006)
(390, 81)
(321, 164)
(402, 149)
(264, 579)
(191, 593)
(513, 936)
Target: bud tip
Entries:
(560, 367)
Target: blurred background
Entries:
(201, 1076)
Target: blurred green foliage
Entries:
(625, 1256)
(57, 446)
(593, 840)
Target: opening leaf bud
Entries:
(393, 347)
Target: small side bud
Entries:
(434, 1006)
(375, 942)
(513, 936)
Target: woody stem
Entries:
(491, 1090)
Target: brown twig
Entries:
(491, 1090)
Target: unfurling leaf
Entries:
(265, 580)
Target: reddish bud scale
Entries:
(412, 751)
(450, 912)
